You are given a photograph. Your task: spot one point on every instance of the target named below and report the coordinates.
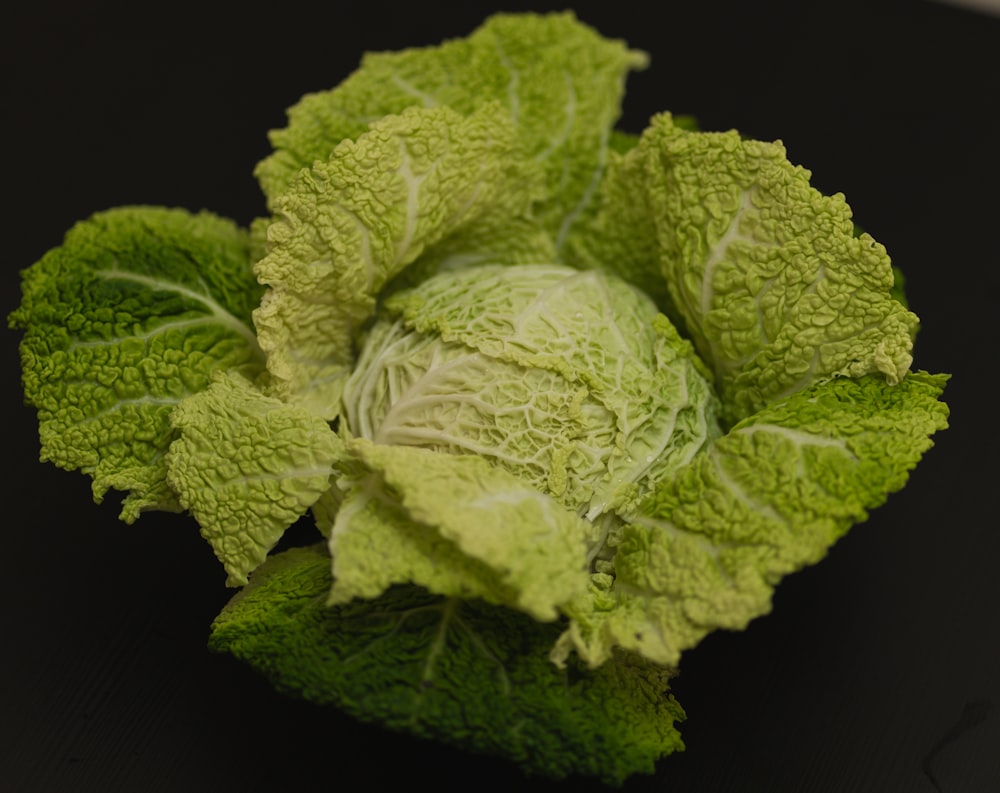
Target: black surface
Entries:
(878, 670)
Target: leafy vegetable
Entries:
(561, 400)
(451, 669)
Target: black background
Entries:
(878, 670)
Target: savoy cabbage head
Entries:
(559, 400)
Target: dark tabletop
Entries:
(878, 670)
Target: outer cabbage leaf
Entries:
(455, 525)
(462, 672)
(357, 220)
(247, 466)
(763, 271)
(133, 313)
(560, 81)
(706, 549)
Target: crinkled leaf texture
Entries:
(504, 420)
(558, 80)
(460, 671)
(571, 380)
(517, 593)
(131, 314)
(457, 526)
(247, 466)
(707, 547)
(764, 272)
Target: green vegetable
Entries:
(559, 399)
(451, 669)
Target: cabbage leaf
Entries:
(455, 525)
(763, 271)
(559, 81)
(130, 315)
(449, 669)
(247, 466)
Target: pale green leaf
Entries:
(560, 82)
(247, 466)
(457, 526)
(763, 272)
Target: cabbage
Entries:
(558, 400)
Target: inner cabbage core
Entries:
(571, 380)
